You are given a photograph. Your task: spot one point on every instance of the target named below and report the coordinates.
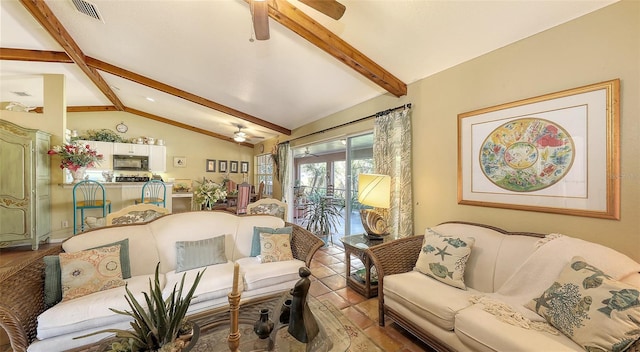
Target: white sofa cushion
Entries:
(258, 275)
(193, 226)
(482, 331)
(216, 282)
(91, 311)
(426, 297)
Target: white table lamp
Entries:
(374, 190)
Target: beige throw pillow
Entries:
(275, 247)
(444, 257)
(90, 271)
(594, 310)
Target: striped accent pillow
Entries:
(196, 254)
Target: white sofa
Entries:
(155, 242)
(503, 268)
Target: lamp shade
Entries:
(374, 190)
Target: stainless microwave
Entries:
(131, 162)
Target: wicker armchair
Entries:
(304, 244)
(22, 292)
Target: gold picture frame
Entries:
(556, 153)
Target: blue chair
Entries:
(88, 194)
(153, 192)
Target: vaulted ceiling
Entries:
(199, 63)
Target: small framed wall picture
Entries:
(233, 166)
(222, 165)
(211, 165)
(244, 167)
(179, 161)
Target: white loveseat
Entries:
(155, 242)
(504, 270)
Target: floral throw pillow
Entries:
(275, 247)
(594, 310)
(444, 257)
(90, 271)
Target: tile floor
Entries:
(329, 284)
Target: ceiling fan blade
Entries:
(260, 16)
(331, 8)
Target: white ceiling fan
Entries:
(260, 13)
(241, 136)
(306, 153)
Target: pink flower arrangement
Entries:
(76, 155)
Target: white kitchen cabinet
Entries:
(130, 149)
(106, 149)
(157, 158)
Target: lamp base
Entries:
(374, 224)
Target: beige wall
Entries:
(597, 47)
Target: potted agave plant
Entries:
(161, 326)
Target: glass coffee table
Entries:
(214, 328)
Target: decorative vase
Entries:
(285, 312)
(263, 326)
(78, 175)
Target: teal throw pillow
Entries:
(196, 254)
(52, 280)
(52, 276)
(257, 230)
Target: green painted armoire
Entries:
(25, 178)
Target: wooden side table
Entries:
(356, 245)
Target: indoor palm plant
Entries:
(160, 325)
(322, 215)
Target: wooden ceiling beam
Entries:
(94, 108)
(184, 126)
(134, 77)
(34, 55)
(294, 19)
(43, 14)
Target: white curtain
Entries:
(283, 173)
(392, 156)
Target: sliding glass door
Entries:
(331, 168)
(359, 157)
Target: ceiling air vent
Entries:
(22, 94)
(88, 9)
